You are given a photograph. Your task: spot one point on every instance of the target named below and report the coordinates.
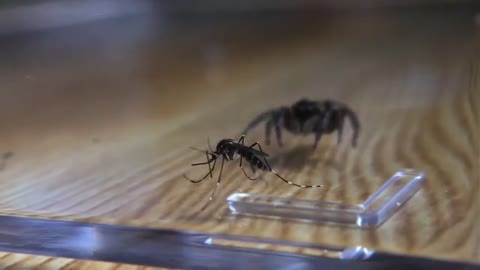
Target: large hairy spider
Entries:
(305, 117)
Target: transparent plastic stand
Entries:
(377, 209)
(354, 253)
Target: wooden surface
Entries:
(97, 121)
(23, 261)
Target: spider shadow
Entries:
(304, 156)
(5, 157)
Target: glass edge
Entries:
(366, 216)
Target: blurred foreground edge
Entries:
(171, 248)
(27, 16)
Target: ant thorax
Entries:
(235, 155)
(228, 149)
(231, 152)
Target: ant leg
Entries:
(203, 178)
(256, 144)
(253, 168)
(272, 171)
(261, 150)
(294, 184)
(215, 189)
(241, 140)
(244, 172)
(209, 168)
(203, 163)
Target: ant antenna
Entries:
(208, 141)
(203, 151)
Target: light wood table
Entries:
(23, 261)
(96, 122)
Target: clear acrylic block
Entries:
(378, 208)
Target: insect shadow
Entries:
(301, 157)
(6, 156)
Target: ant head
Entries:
(222, 144)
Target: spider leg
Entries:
(257, 120)
(326, 121)
(318, 132)
(318, 136)
(340, 127)
(216, 186)
(278, 131)
(268, 131)
(355, 125)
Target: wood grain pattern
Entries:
(23, 261)
(99, 120)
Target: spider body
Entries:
(307, 117)
(229, 150)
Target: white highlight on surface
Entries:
(208, 241)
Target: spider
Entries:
(305, 117)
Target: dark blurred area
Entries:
(21, 16)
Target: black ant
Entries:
(306, 117)
(229, 150)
